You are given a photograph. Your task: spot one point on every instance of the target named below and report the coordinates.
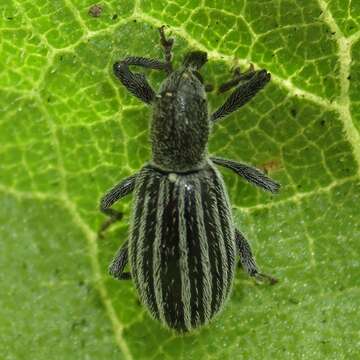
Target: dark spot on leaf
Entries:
(333, 32)
(270, 166)
(322, 122)
(293, 301)
(114, 17)
(134, 20)
(349, 77)
(94, 296)
(10, 18)
(293, 112)
(54, 183)
(95, 10)
(57, 272)
(77, 324)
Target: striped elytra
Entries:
(181, 245)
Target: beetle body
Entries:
(181, 245)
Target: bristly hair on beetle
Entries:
(183, 243)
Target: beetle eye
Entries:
(198, 75)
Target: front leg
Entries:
(249, 173)
(120, 190)
(237, 77)
(167, 45)
(242, 94)
(136, 83)
(247, 260)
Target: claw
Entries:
(261, 278)
(114, 218)
(236, 72)
(251, 68)
(167, 43)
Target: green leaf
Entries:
(69, 131)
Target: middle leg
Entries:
(120, 190)
(249, 173)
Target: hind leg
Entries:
(247, 260)
(116, 268)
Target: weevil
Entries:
(183, 244)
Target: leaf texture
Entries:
(69, 131)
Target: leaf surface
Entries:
(69, 131)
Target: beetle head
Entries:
(195, 60)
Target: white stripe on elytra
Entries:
(141, 244)
(223, 272)
(163, 198)
(135, 220)
(183, 251)
(204, 251)
(228, 233)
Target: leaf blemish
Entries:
(95, 11)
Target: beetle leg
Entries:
(120, 190)
(251, 174)
(247, 260)
(117, 266)
(242, 94)
(136, 83)
(167, 44)
(237, 77)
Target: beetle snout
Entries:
(264, 75)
